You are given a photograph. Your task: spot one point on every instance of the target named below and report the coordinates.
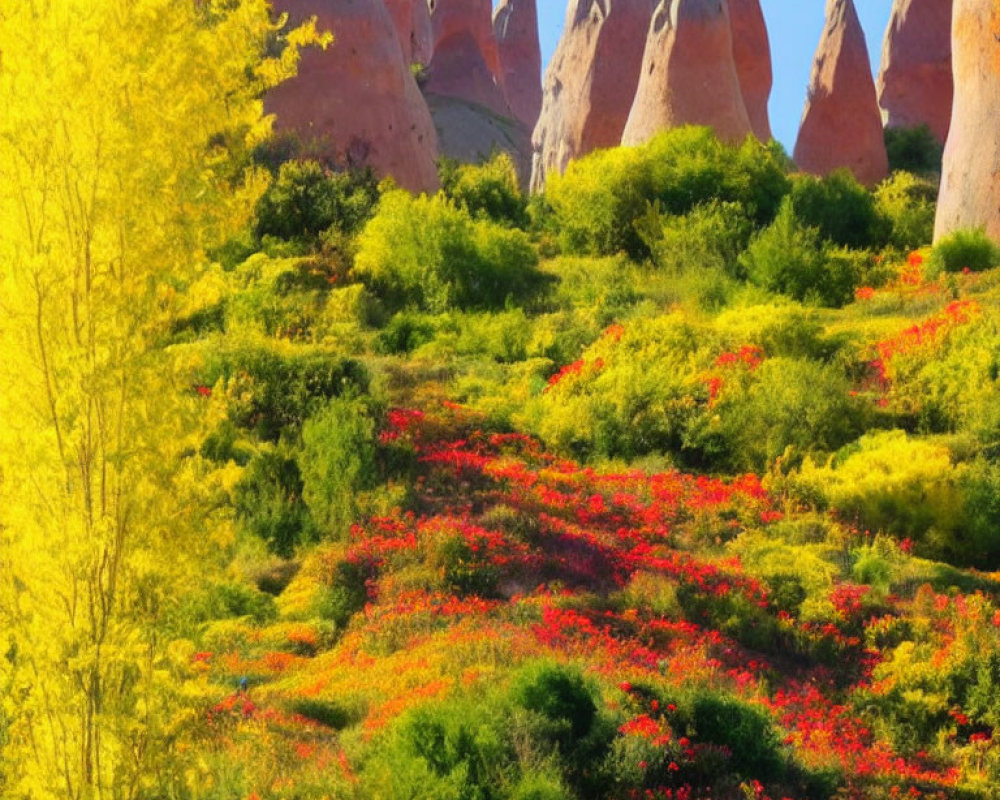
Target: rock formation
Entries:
(688, 74)
(842, 125)
(915, 85)
(752, 53)
(357, 102)
(590, 83)
(970, 179)
(515, 27)
(466, 62)
(413, 24)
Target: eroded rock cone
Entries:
(842, 125)
(515, 28)
(752, 53)
(970, 180)
(357, 103)
(466, 62)
(688, 74)
(915, 84)
(590, 83)
(413, 24)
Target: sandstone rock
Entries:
(915, 85)
(752, 53)
(688, 74)
(515, 27)
(356, 102)
(590, 83)
(413, 24)
(842, 125)
(970, 180)
(466, 62)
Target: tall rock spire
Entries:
(688, 74)
(357, 103)
(413, 24)
(842, 125)
(515, 27)
(752, 53)
(590, 84)
(915, 83)
(970, 179)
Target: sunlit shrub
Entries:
(306, 199)
(840, 208)
(965, 249)
(337, 462)
(908, 204)
(426, 253)
(597, 202)
(791, 259)
(487, 191)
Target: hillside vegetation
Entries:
(679, 481)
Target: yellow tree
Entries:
(123, 130)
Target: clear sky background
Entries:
(794, 27)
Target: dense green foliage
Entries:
(914, 150)
(964, 250)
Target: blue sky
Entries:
(794, 27)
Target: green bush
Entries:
(599, 199)
(709, 237)
(306, 199)
(747, 733)
(337, 462)
(272, 390)
(558, 694)
(839, 208)
(791, 259)
(268, 502)
(908, 204)
(425, 253)
(345, 593)
(487, 191)
(914, 150)
(966, 249)
(405, 332)
(785, 403)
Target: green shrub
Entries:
(345, 594)
(220, 601)
(268, 502)
(965, 249)
(599, 199)
(840, 208)
(785, 403)
(746, 731)
(426, 253)
(337, 462)
(914, 149)
(272, 391)
(908, 204)
(791, 259)
(558, 694)
(306, 199)
(709, 237)
(487, 191)
(405, 332)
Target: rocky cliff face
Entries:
(970, 180)
(413, 24)
(590, 84)
(915, 84)
(357, 103)
(466, 62)
(842, 124)
(752, 53)
(688, 74)
(515, 27)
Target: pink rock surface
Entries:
(515, 27)
(752, 53)
(356, 102)
(970, 180)
(688, 74)
(842, 125)
(413, 24)
(590, 83)
(915, 84)
(466, 62)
